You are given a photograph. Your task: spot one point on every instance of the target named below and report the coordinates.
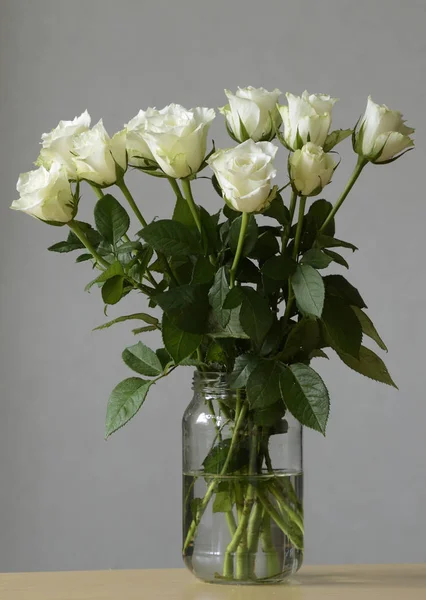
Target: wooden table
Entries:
(393, 582)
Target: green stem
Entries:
(297, 239)
(148, 275)
(243, 229)
(286, 508)
(230, 519)
(272, 558)
(355, 174)
(99, 193)
(83, 239)
(127, 194)
(253, 534)
(186, 186)
(299, 228)
(287, 230)
(238, 542)
(210, 490)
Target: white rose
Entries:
(244, 173)
(307, 118)
(137, 148)
(58, 144)
(177, 138)
(252, 113)
(46, 195)
(96, 155)
(310, 169)
(382, 133)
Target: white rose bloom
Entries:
(382, 133)
(244, 174)
(137, 148)
(177, 138)
(96, 155)
(310, 169)
(252, 112)
(307, 118)
(58, 144)
(45, 194)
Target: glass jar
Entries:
(242, 487)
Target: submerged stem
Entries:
(210, 490)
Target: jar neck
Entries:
(211, 384)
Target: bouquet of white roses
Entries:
(242, 291)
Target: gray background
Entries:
(69, 500)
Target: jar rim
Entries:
(210, 380)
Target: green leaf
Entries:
(255, 315)
(263, 388)
(250, 237)
(335, 137)
(318, 353)
(142, 360)
(272, 339)
(73, 242)
(172, 238)
(266, 245)
(182, 214)
(337, 258)
(305, 395)
(217, 295)
(215, 460)
(326, 241)
(232, 330)
(112, 271)
(210, 236)
(223, 500)
(112, 221)
(316, 258)
(135, 316)
(308, 288)
(234, 298)
(279, 268)
(144, 329)
(243, 367)
(342, 326)
(187, 306)
(337, 285)
(368, 327)
(277, 210)
(65, 247)
(215, 354)
(368, 364)
(128, 247)
(125, 401)
(183, 269)
(317, 214)
(112, 290)
(164, 357)
(271, 415)
(83, 258)
(179, 344)
(304, 337)
(203, 271)
(248, 272)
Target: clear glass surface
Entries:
(242, 487)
